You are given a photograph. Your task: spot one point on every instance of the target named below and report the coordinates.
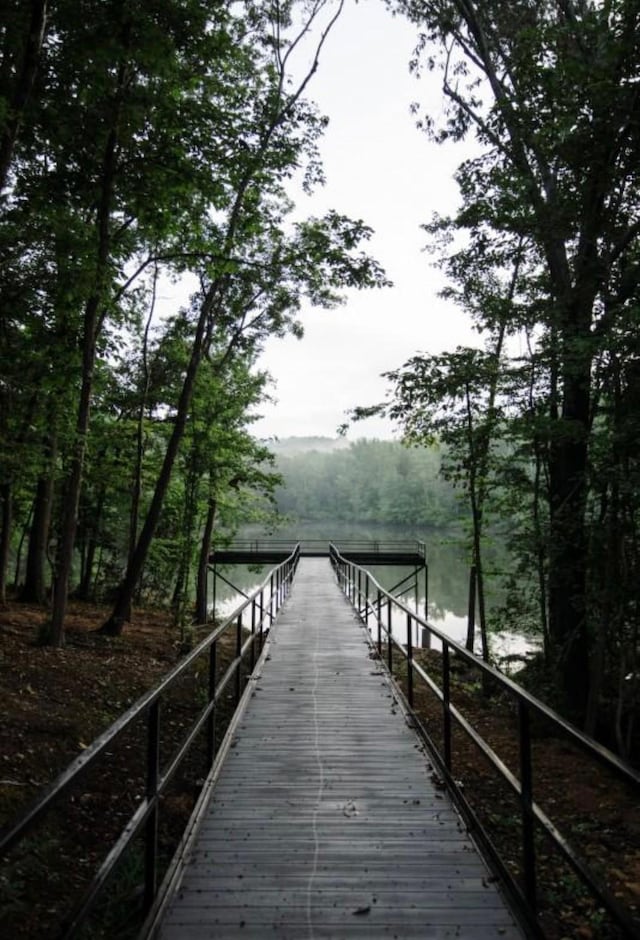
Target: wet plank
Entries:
(325, 821)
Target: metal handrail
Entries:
(368, 597)
(373, 546)
(276, 587)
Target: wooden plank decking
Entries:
(324, 822)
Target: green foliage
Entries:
(370, 481)
(545, 247)
(158, 140)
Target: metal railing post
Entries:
(261, 618)
(426, 591)
(409, 660)
(471, 610)
(151, 825)
(389, 643)
(252, 659)
(446, 703)
(211, 720)
(526, 801)
(366, 599)
(271, 578)
(238, 677)
(379, 613)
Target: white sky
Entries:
(381, 169)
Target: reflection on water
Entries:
(447, 587)
(244, 581)
(503, 643)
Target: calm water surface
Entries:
(448, 581)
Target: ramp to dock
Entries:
(324, 821)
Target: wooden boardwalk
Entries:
(324, 822)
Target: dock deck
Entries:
(405, 552)
(325, 821)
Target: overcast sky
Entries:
(383, 170)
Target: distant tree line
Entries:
(370, 481)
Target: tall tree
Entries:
(550, 89)
(253, 274)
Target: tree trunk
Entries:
(179, 592)
(24, 86)
(121, 612)
(136, 483)
(568, 554)
(34, 590)
(608, 591)
(18, 562)
(540, 554)
(85, 590)
(478, 456)
(201, 611)
(91, 329)
(478, 563)
(71, 496)
(6, 494)
(471, 610)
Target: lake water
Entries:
(448, 580)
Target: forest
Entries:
(150, 143)
(541, 418)
(143, 145)
(151, 155)
(369, 481)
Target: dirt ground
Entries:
(589, 805)
(55, 702)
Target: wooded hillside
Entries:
(367, 481)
